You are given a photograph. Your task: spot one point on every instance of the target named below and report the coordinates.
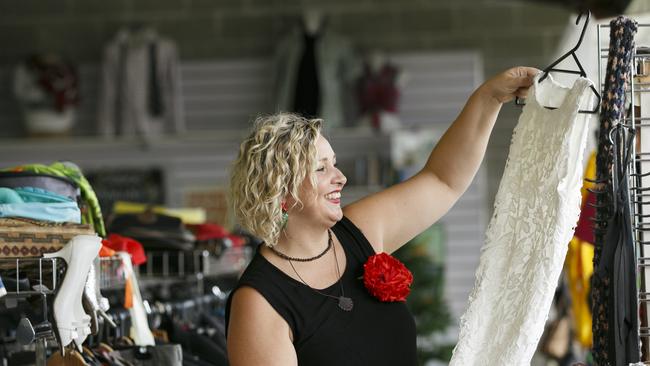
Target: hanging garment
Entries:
(139, 332)
(141, 86)
(621, 46)
(579, 267)
(336, 66)
(166, 354)
(200, 345)
(579, 261)
(306, 100)
(377, 92)
(536, 207)
(154, 231)
(617, 270)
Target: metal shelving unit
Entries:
(637, 117)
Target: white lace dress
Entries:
(536, 209)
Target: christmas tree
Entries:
(424, 256)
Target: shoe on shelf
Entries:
(94, 303)
(71, 323)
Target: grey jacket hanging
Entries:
(337, 68)
(140, 86)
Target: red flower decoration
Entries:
(386, 278)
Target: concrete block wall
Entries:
(507, 32)
(502, 29)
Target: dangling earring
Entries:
(285, 215)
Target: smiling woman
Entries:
(303, 287)
(302, 299)
(272, 164)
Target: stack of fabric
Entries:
(52, 212)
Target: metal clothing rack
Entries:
(43, 276)
(43, 271)
(162, 267)
(183, 309)
(166, 268)
(169, 267)
(638, 96)
(110, 273)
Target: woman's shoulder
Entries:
(259, 275)
(260, 287)
(249, 315)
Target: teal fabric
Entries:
(38, 204)
(53, 211)
(8, 195)
(93, 214)
(33, 194)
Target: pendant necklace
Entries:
(284, 256)
(344, 302)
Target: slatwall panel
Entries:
(437, 86)
(10, 115)
(10, 122)
(220, 99)
(225, 95)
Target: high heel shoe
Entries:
(94, 303)
(90, 311)
(70, 321)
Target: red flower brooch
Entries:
(386, 278)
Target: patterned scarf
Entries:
(621, 47)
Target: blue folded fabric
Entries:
(38, 204)
(33, 194)
(8, 195)
(55, 212)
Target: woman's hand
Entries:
(511, 83)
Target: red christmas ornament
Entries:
(386, 278)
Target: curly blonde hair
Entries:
(272, 163)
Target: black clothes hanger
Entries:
(581, 70)
(622, 155)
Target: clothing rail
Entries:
(20, 272)
(110, 272)
(637, 101)
(164, 268)
(28, 277)
(174, 263)
(182, 308)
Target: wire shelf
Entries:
(28, 276)
(111, 273)
(638, 86)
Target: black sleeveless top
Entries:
(373, 333)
